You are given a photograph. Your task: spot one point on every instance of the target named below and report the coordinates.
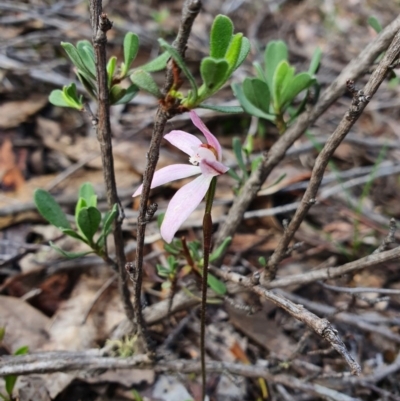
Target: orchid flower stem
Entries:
(207, 234)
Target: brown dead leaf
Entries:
(263, 331)
(10, 174)
(16, 112)
(24, 324)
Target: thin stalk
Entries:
(207, 234)
(100, 25)
(189, 12)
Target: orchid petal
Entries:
(171, 173)
(211, 139)
(202, 154)
(184, 141)
(211, 168)
(182, 205)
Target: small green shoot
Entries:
(82, 57)
(88, 220)
(272, 92)
(227, 53)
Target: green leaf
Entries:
(131, 47)
(10, 381)
(262, 261)
(255, 163)
(248, 106)
(69, 255)
(231, 172)
(73, 234)
(87, 192)
(221, 109)
(68, 97)
(213, 73)
(257, 93)
(299, 83)
(315, 61)
(375, 24)
(86, 53)
(275, 53)
(74, 56)
(22, 350)
(130, 93)
(232, 54)
(259, 71)
(117, 92)
(221, 249)
(50, 209)
(72, 93)
(88, 221)
(220, 37)
(112, 63)
(244, 51)
(80, 204)
(170, 248)
(181, 64)
(88, 84)
(216, 285)
(158, 64)
(2, 333)
(146, 82)
(282, 77)
(57, 98)
(237, 150)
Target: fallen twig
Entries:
(320, 326)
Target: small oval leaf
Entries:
(131, 47)
(216, 285)
(57, 98)
(50, 209)
(214, 73)
(275, 52)
(248, 106)
(257, 93)
(221, 109)
(221, 35)
(146, 82)
(88, 221)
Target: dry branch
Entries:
(320, 326)
(92, 360)
(373, 260)
(100, 26)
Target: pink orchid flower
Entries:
(205, 159)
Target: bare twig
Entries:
(360, 290)
(358, 104)
(348, 318)
(354, 69)
(100, 25)
(92, 360)
(320, 326)
(190, 10)
(389, 239)
(331, 272)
